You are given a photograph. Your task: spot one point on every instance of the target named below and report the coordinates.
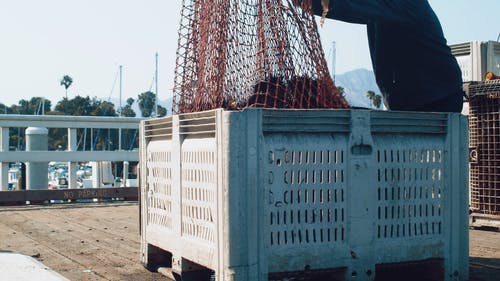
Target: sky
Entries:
(41, 41)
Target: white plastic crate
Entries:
(265, 194)
(477, 58)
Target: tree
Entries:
(376, 99)
(36, 105)
(129, 136)
(127, 110)
(147, 103)
(162, 111)
(4, 109)
(104, 139)
(78, 106)
(66, 81)
(102, 108)
(86, 106)
(32, 106)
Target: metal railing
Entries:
(71, 155)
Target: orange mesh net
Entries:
(251, 53)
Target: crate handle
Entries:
(361, 149)
(473, 155)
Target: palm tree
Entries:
(376, 99)
(66, 81)
(341, 90)
(146, 103)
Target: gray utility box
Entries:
(477, 58)
(306, 194)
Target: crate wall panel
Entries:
(159, 185)
(199, 184)
(307, 185)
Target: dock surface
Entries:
(100, 241)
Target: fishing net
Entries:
(251, 53)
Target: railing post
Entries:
(96, 174)
(91, 139)
(120, 139)
(4, 166)
(72, 146)
(125, 173)
(36, 172)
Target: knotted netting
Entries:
(236, 54)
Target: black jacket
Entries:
(412, 62)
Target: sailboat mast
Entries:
(156, 84)
(334, 59)
(120, 102)
(120, 114)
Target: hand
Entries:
(324, 5)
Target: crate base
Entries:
(426, 270)
(154, 257)
(202, 275)
(334, 274)
(483, 221)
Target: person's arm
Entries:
(366, 11)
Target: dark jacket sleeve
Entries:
(368, 11)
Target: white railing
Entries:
(70, 155)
